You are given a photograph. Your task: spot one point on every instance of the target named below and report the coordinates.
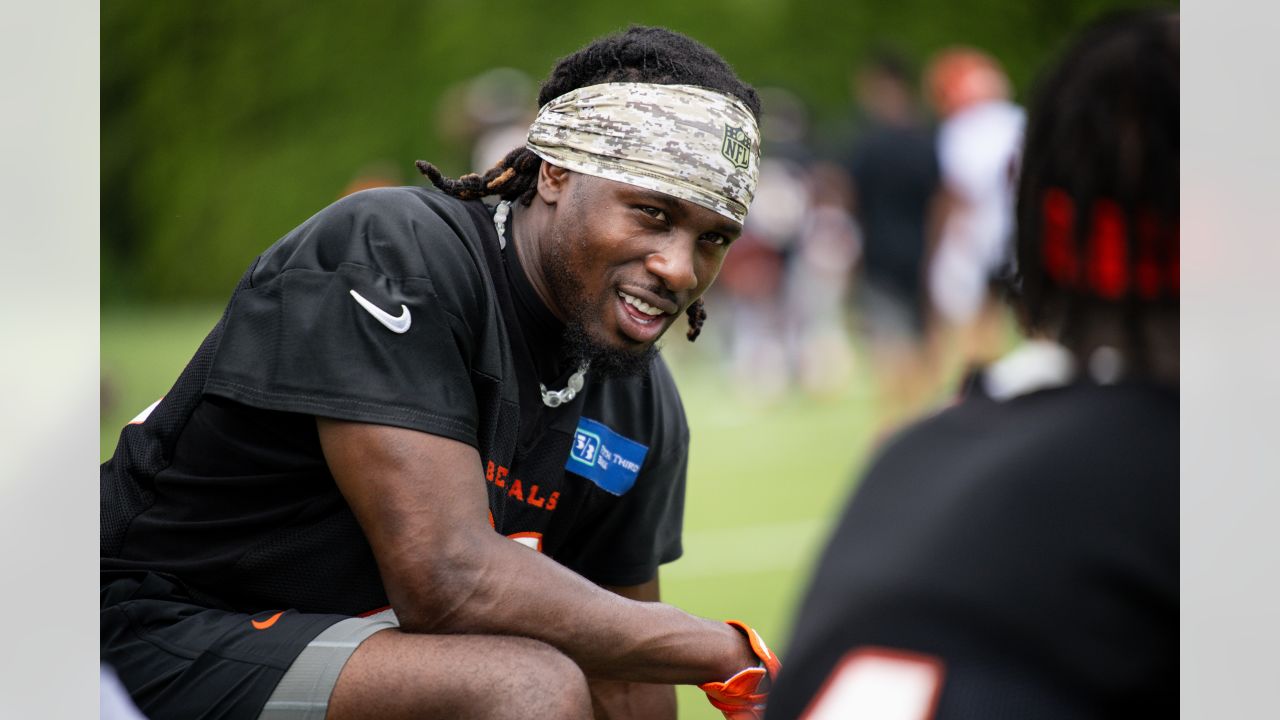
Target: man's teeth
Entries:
(639, 304)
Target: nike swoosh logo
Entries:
(264, 624)
(394, 324)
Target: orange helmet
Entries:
(961, 76)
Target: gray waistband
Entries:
(303, 692)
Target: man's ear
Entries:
(552, 180)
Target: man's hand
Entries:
(743, 696)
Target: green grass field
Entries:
(764, 482)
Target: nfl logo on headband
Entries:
(686, 141)
(736, 147)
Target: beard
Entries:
(606, 360)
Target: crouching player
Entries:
(428, 462)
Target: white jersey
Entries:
(978, 149)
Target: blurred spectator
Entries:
(817, 284)
(1016, 556)
(754, 273)
(978, 141)
(500, 102)
(895, 185)
(498, 106)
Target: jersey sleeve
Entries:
(638, 531)
(368, 312)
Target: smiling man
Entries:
(429, 461)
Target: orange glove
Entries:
(743, 696)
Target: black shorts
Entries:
(178, 659)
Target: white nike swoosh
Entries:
(394, 324)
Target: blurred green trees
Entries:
(225, 124)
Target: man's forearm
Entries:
(421, 503)
(506, 589)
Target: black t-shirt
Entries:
(895, 173)
(224, 487)
(1017, 558)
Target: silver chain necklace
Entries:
(550, 398)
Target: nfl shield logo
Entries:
(736, 147)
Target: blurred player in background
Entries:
(787, 279)
(818, 280)
(978, 141)
(755, 278)
(429, 461)
(1016, 556)
(894, 168)
(499, 103)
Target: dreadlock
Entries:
(1097, 201)
(638, 54)
(515, 177)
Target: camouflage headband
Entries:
(689, 142)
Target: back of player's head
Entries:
(1097, 237)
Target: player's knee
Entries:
(548, 684)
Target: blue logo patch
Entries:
(604, 457)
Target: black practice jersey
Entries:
(1011, 559)
(895, 174)
(391, 306)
